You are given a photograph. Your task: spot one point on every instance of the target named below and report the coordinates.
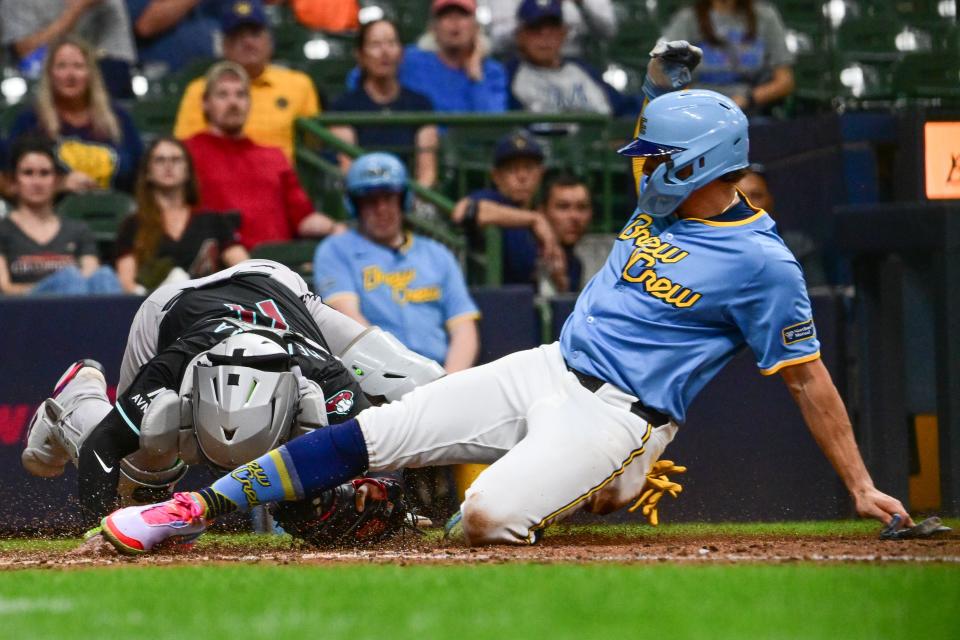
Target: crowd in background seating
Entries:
(223, 181)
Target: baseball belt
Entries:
(593, 383)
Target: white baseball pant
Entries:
(554, 446)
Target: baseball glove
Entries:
(360, 512)
(658, 483)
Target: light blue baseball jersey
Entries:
(677, 299)
(415, 292)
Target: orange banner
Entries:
(942, 159)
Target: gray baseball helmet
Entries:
(245, 399)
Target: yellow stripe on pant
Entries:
(623, 466)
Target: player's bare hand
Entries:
(550, 249)
(872, 503)
(78, 182)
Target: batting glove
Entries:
(671, 67)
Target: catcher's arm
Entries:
(826, 417)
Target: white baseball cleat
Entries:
(139, 529)
(48, 448)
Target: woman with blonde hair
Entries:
(96, 141)
(168, 238)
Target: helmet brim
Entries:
(645, 148)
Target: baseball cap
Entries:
(519, 144)
(531, 12)
(241, 12)
(470, 6)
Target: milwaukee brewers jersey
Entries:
(676, 300)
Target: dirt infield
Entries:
(556, 548)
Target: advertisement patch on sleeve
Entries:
(798, 332)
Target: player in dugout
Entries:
(695, 274)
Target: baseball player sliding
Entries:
(696, 273)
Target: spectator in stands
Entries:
(568, 208)
(324, 15)
(543, 81)
(384, 275)
(39, 251)
(236, 173)
(279, 95)
(754, 186)
(588, 21)
(5, 191)
(96, 140)
(172, 34)
(517, 172)
(378, 54)
(458, 75)
(745, 53)
(169, 238)
(31, 26)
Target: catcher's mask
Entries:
(244, 398)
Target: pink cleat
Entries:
(139, 529)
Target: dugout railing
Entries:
(583, 144)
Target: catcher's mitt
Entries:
(359, 512)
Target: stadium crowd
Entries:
(223, 180)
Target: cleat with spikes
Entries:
(142, 528)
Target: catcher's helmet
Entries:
(373, 173)
(699, 129)
(244, 398)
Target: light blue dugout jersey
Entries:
(415, 292)
(672, 306)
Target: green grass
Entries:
(254, 543)
(486, 601)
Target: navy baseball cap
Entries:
(531, 12)
(241, 12)
(519, 144)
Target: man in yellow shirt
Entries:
(278, 95)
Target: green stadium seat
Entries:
(174, 84)
(101, 210)
(296, 254)
(865, 80)
(931, 76)
(869, 39)
(155, 117)
(800, 11)
(663, 10)
(329, 76)
(288, 41)
(816, 77)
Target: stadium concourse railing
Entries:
(465, 154)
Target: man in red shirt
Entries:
(235, 173)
